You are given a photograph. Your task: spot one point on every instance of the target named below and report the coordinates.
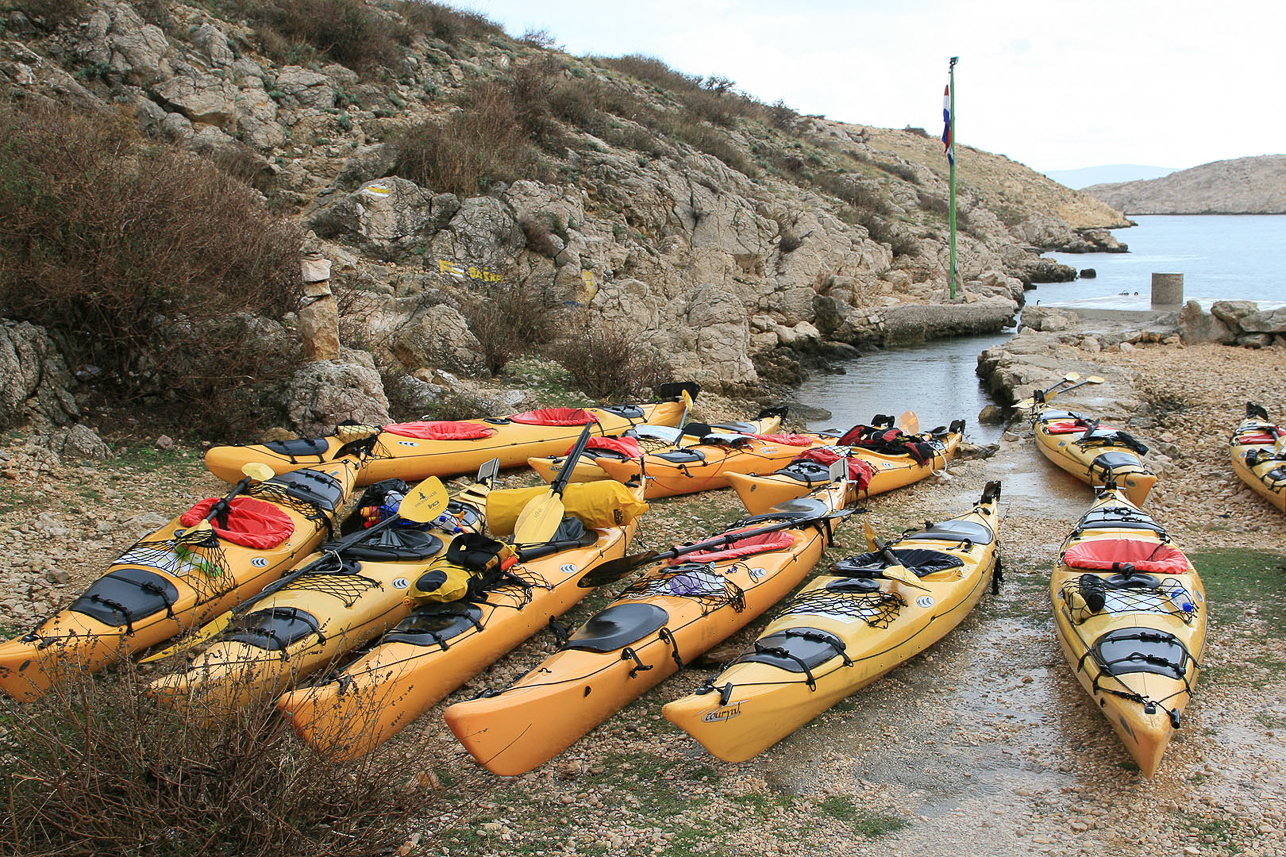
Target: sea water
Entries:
(1222, 257)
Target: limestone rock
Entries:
(1048, 319)
(35, 384)
(1269, 321)
(439, 337)
(117, 37)
(202, 98)
(1231, 312)
(383, 217)
(303, 88)
(325, 393)
(1197, 326)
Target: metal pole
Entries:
(952, 83)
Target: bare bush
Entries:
(445, 23)
(95, 768)
(607, 362)
(140, 255)
(509, 320)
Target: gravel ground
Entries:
(984, 745)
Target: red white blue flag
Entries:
(948, 140)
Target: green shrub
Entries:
(141, 256)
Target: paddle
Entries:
(897, 571)
(540, 518)
(1093, 379)
(908, 423)
(687, 406)
(422, 504)
(615, 569)
(253, 472)
(1066, 379)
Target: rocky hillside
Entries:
(1240, 186)
(462, 181)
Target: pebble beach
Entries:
(984, 745)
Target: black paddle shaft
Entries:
(569, 464)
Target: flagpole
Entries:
(952, 119)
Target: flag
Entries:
(948, 143)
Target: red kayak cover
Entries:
(627, 446)
(441, 430)
(760, 543)
(555, 417)
(859, 471)
(1065, 427)
(787, 439)
(1261, 437)
(251, 523)
(1112, 554)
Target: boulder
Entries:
(325, 393)
(722, 337)
(1231, 312)
(202, 98)
(303, 88)
(384, 217)
(438, 337)
(1048, 319)
(1197, 326)
(1269, 321)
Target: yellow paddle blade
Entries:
(425, 501)
(205, 632)
(258, 472)
(1094, 379)
(1025, 403)
(539, 519)
(909, 423)
(197, 535)
(871, 541)
(1070, 376)
(904, 577)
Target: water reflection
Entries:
(937, 380)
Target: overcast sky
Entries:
(1054, 84)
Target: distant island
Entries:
(1240, 186)
(1083, 177)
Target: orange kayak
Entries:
(888, 471)
(671, 615)
(416, 451)
(439, 647)
(163, 585)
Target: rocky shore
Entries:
(984, 745)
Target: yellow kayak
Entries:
(439, 647)
(1130, 613)
(165, 584)
(340, 601)
(844, 630)
(1093, 453)
(1258, 451)
(415, 451)
(646, 438)
(668, 617)
(707, 465)
(886, 469)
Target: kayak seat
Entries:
(743, 428)
(629, 412)
(918, 561)
(795, 650)
(809, 472)
(434, 624)
(299, 446)
(1111, 437)
(788, 510)
(313, 487)
(617, 627)
(955, 531)
(274, 629)
(1136, 650)
(1059, 416)
(124, 596)
(1131, 581)
(854, 585)
(1112, 461)
(396, 544)
(1117, 518)
(682, 456)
